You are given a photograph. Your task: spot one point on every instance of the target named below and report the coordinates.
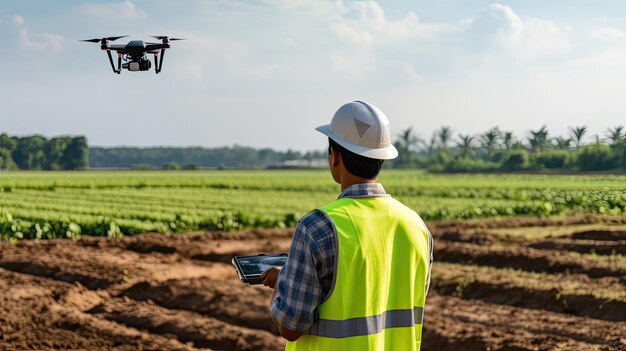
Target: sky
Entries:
(265, 73)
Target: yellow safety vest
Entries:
(379, 289)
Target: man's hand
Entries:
(270, 276)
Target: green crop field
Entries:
(69, 204)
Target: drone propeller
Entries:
(104, 40)
(165, 39)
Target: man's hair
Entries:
(357, 165)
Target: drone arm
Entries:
(111, 61)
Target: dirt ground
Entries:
(513, 284)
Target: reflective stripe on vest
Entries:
(379, 289)
(367, 325)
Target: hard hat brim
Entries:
(385, 153)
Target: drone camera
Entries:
(137, 65)
(134, 66)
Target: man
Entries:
(359, 268)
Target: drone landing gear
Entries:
(158, 63)
(119, 62)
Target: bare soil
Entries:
(179, 292)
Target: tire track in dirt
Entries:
(68, 309)
(576, 294)
(610, 241)
(221, 299)
(41, 314)
(522, 258)
(66, 261)
(601, 235)
(520, 222)
(111, 268)
(185, 326)
(582, 246)
(476, 325)
(63, 265)
(524, 222)
(547, 300)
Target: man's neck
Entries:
(351, 180)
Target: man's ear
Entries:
(335, 157)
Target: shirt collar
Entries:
(364, 190)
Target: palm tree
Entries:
(615, 135)
(538, 139)
(489, 140)
(507, 140)
(444, 134)
(431, 146)
(466, 144)
(406, 143)
(577, 134)
(562, 143)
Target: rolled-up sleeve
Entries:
(299, 290)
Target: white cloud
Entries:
(17, 19)
(366, 22)
(314, 8)
(351, 33)
(197, 58)
(361, 22)
(606, 52)
(611, 59)
(43, 42)
(123, 10)
(357, 39)
(607, 34)
(341, 63)
(524, 38)
(40, 42)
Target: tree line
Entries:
(494, 150)
(37, 152)
(497, 150)
(193, 157)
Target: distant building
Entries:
(304, 163)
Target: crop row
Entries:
(44, 222)
(45, 226)
(48, 205)
(411, 181)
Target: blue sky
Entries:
(265, 73)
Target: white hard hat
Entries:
(363, 129)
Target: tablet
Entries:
(249, 268)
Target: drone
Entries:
(134, 53)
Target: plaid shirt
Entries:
(305, 281)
